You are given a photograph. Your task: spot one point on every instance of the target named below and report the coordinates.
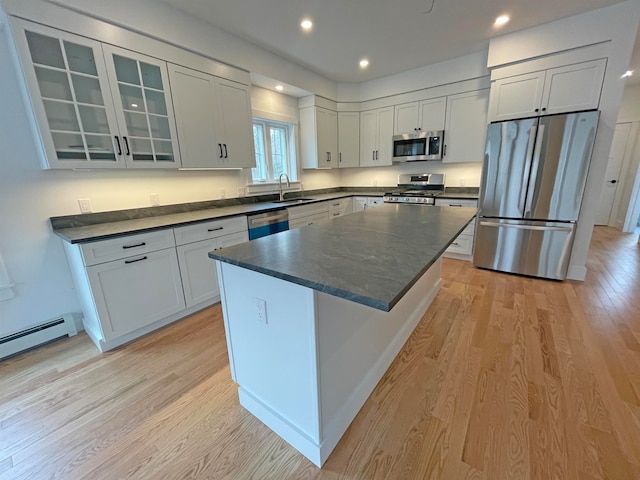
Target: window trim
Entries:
(290, 146)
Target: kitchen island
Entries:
(315, 316)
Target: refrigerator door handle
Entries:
(530, 191)
(526, 227)
(527, 170)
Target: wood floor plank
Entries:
(505, 377)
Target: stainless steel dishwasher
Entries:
(268, 223)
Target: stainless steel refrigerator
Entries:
(533, 180)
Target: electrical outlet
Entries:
(462, 182)
(223, 194)
(85, 205)
(154, 198)
(242, 191)
(261, 310)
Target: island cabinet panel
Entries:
(135, 292)
(306, 361)
(213, 119)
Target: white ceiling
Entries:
(394, 35)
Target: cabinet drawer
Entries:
(462, 245)
(339, 207)
(306, 210)
(308, 220)
(117, 248)
(212, 229)
(454, 202)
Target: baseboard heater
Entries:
(37, 335)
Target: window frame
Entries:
(290, 160)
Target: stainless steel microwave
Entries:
(417, 146)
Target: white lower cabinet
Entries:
(307, 220)
(132, 285)
(461, 247)
(340, 207)
(199, 277)
(362, 203)
(134, 292)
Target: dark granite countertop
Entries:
(371, 257)
(101, 226)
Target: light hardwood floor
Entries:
(505, 377)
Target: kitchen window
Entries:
(274, 151)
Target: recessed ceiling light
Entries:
(279, 88)
(502, 19)
(628, 73)
(364, 63)
(306, 24)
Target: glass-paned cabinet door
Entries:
(145, 112)
(71, 98)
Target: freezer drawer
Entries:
(539, 249)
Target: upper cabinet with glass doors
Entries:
(93, 113)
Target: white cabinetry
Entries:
(462, 246)
(466, 127)
(376, 132)
(319, 137)
(426, 115)
(557, 90)
(132, 282)
(340, 207)
(363, 203)
(309, 214)
(348, 139)
(194, 242)
(214, 120)
(97, 106)
(135, 284)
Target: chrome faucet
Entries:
(280, 185)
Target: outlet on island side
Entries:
(261, 310)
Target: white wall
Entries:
(467, 174)
(630, 104)
(629, 203)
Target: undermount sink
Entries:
(295, 200)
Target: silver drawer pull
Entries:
(134, 246)
(215, 229)
(136, 260)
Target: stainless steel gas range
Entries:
(417, 189)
